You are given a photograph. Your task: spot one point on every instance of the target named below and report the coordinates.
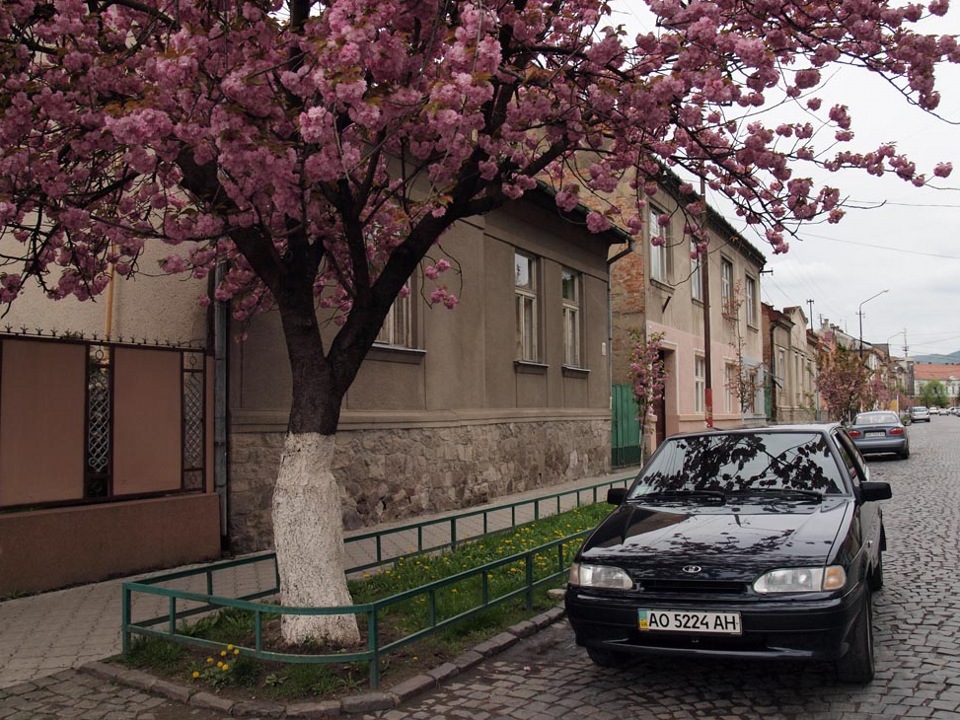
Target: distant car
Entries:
(880, 432)
(934, 411)
(757, 543)
(918, 413)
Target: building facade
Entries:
(705, 307)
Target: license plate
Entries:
(874, 434)
(690, 621)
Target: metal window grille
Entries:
(194, 405)
(97, 463)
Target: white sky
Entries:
(909, 247)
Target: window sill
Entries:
(575, 372)
(530, 368)
(662, 284)
(396, 354)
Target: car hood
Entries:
(726, 543)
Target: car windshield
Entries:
(742, 463)
(876, 419)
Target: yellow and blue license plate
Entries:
(690, 621)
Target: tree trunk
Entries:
(308, 534)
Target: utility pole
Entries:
(810, 303)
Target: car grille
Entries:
(692, 586)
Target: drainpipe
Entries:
(610, 261)
(221, 321)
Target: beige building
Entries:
(659, 287)
(790, 354)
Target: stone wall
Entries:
(398, 474)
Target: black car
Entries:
(755, 543)
(880, 431)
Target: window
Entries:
(699, 383)
(696, 274)
(750, 298)
(397, 327)
(659, 254)
(726, 284)
(525, 269)
(571, 282)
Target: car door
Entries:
(869, 515)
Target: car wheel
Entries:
(857, 665)
(605, 658)
(905, 453)
(876, 577)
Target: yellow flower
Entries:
(225, 667)
(230, 647)
(196, 674)
(209, 660)
(220, 664)
(223, 653)
(236, 652)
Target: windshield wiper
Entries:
(795, 492)
(715, 495)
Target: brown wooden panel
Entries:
(42, 400)
(147, 430)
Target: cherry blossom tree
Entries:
(842, 380)
(317, 150)
(647, 374)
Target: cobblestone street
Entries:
(917, 631)
(546, 676)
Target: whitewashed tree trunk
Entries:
(308, 534)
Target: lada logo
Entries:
(692, 569)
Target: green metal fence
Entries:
(540, 566)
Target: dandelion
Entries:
(236, 652)
(196, 674)
(220, 664)
(230, 648)
(223, 653)
(209, 660)
(225, 667)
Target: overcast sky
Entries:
(909, 247)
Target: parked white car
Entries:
(919, 413)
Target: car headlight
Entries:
(599, 576)
(794, 580)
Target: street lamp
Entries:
(860, 313)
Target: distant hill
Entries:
(951, 359)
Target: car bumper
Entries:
(884, 445)
(776, 629)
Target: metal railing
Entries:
(412, 539)
(531, 569)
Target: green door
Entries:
(626, 428)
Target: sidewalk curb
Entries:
(364, 703)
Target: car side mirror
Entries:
(615, 496)
(875, 490)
